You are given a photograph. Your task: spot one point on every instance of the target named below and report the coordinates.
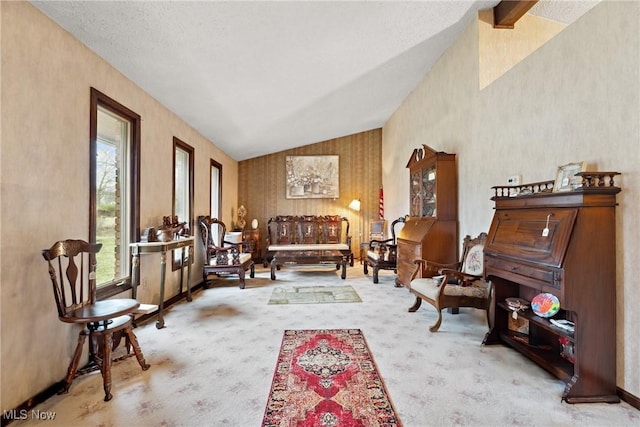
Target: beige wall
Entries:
(574, 98)
(45, 81)
(500, 50)
(262, 183)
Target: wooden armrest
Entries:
(378, 242)
(458, 276)
(436, 265)
(431, 267)
(213, 251)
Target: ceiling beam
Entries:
(506, 13)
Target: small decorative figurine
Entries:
(171, 229)
(242, 212)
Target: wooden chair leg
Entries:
(205, 283)
(436, 325)
(253, 271)
(131, 338)
(75, 361)
(416, 305)
(105, 365)
(241, 274)
(375, 274)
(274, 266)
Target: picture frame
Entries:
(312, 177)
(565, 177)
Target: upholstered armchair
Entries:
(455, 285)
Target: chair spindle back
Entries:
(72, 268)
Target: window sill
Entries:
(112, 289)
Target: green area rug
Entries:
(314, 295)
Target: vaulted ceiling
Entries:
(261, 77)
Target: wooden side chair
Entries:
(456, 285)
(223, 257)
(383, 254)
(72, 270)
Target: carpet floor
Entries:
(213, 363)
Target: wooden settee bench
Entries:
(308, 239)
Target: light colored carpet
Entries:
(213, 363)
(314, 295)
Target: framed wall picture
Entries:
(566, 179)
(313, 177)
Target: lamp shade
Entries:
(355, 205)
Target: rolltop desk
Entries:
(561, 243)
(431, 229)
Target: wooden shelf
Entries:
(546, 358)
(542, 322)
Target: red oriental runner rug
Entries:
(327, 377)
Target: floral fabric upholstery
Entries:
(473, 262)
(430, 287)
(478, 289)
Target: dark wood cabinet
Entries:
(563, 244)
(431, 231)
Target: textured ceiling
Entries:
(261, 77)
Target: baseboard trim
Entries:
(22, 411)
(168, 303)
(629, 398)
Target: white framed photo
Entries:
(566, 179)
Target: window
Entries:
(216, 189)
(216, 195)
(114, 133)
(182, 188)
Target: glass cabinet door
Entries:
(429, 191)
(416, 194)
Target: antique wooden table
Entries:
(310, 257)
(185, 244)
